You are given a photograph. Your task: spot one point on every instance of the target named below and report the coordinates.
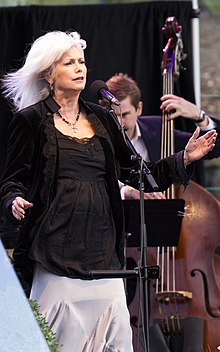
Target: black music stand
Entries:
(163, 221)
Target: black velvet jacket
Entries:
(32, 162)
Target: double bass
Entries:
(185, 301)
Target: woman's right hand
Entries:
(19, 205)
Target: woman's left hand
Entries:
(196, 147)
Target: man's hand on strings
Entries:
(132, 193)
(177, 106)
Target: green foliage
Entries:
(49, 335)
(212, 6)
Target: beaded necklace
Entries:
(71, 124)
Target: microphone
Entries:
(100, 90)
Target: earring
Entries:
(51, 88)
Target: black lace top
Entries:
(78, 231)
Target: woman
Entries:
(60, 184)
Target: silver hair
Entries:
(28, 85)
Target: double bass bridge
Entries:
(173, 296)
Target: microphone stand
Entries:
(143, 236)
(144, 172)
(144, 273)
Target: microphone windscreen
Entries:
(96, 87)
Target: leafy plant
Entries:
(49, 335)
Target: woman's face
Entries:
(69, 73)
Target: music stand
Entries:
(163, 221)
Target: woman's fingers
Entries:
(18, 207)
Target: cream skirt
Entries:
(86, 315)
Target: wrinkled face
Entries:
(69, 73)
(129, 114)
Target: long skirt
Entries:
(85, 315)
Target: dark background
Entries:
(124, 38)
